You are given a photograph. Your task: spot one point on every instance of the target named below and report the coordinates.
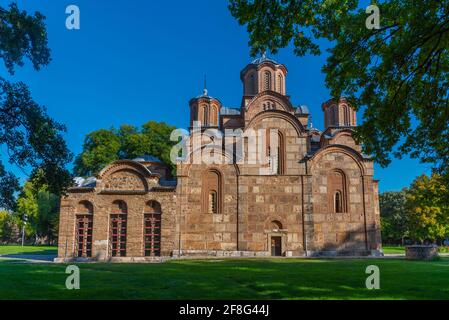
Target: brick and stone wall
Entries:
(321, 199)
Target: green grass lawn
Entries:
(393, 249)
(230, 279)
(17, 249)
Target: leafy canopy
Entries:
(394, 215)
(29, 137)
(399, 74)
(41, 208)
(103, 146)
(428, 209)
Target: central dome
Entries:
(263, 59)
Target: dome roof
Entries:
(263, 59)
(229, 111)
(302, 109)
(89, 182)
(147, 158)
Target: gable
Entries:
(125, 179)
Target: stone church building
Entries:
(314, 196)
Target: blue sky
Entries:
(140, 60)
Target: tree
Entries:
(48, 215)
(158, 139)
(398, 74)
(394, 217)
(8, 226)
(41, 208)
(100, 148)
(428, 209)
(29, 136)
(103, 146)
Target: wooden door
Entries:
(276, 246)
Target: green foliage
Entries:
(42, 211)
(103, 146)
(7, 224)
(9, 184)
(394, 217)
(398, 74)
(100, 148)
(427, 208)
(22, 35)
(29, 136)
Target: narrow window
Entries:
(270, 162)
(275, 147)
(211, 192)
(251, 87)
(280, 84)
(338, 200)
(268, 149)
(346, 115)
(332, 116)
(213, 120)
(213, 201)
(337, 196)
(280, 166)
(205, 116)
(267, 80)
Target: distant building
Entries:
(314, 196)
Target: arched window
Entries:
(194, 115)
(337, 202)
(213, 116)
(118, 228)
(268, 149)
(281, 154)
(152, 229)
(211, 192)
(333, 115)
(337, 191)
(205, 116)
(275, 150)
(84, 229)
(267, 80)
(280, 83)
(251, 85)
(346, 115)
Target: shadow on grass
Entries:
(230, 279)
(46, 255)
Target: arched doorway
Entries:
(275, 238)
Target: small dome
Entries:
(89, 182)
(229, 111)
(147, 158)
(302, 109)
(263, 59)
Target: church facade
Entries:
(313, 193)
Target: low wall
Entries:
(421, 252)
